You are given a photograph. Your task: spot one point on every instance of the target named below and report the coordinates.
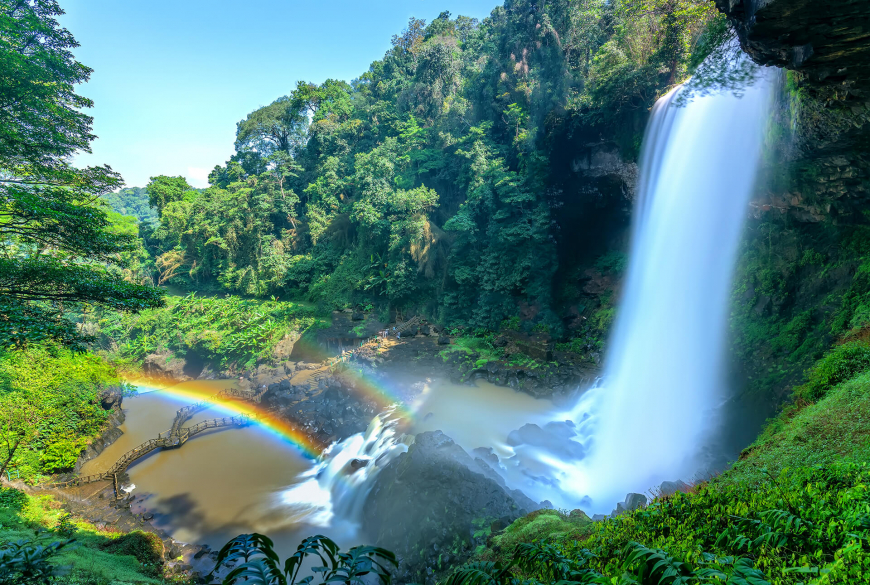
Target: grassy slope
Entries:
(23, 516)
(835, 429)
(811, 462)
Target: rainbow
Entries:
(365, 387)
(195, 391)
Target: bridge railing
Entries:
(175, 436)
(331, 364)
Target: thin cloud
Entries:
(197, 177)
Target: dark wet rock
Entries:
(828, 43)
(441, 495)
(425, 330)
(109, 436)
(669, 488)
(111, 398)
(329, 410)
(165, 366)
(632, 502)
(358, 317)
(554, 437)
(443, 340)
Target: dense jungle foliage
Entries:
(219, 330)
(133, 202)
(50, 408)
(441, 178)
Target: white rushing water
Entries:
(664, 373)
(333, 492)
(652, 415)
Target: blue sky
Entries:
(172, 77)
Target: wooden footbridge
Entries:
(178, 434)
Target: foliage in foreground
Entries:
(50, 407)
(228, 330)
(260, 565)
(795, 508)
(806, 525)
(42, 544)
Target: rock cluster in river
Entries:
(432, 505)
(327, 409)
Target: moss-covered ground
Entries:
(94, 557)
(795, 509)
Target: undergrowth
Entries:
(32, 526)
(49, 407)
(805, 525)
(221, 330)
(795, 509)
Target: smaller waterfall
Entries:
(333, 492)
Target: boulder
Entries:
(443, 340)
(632, 502)
(428, 502)
(669, 488)
(165, 366)
(358, 317)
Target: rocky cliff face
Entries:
(829, 41)
(434, 504)
(820, 170)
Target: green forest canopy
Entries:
(440, 178)
(58, 247)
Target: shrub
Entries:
(804, 524)
(29, 562)
(838, 365)
(145, 546)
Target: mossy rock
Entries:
(145, 546)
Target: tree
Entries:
(19, 423)
(163, 190)
(56, 245)
(280, 126)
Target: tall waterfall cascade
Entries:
(657, 405)
(665, 370)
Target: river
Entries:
(229, 481)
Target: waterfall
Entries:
(656, 407)
(664, 373)
(651, 415)
(333, 492)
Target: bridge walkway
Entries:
(178, 434)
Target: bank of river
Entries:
(229, 481)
